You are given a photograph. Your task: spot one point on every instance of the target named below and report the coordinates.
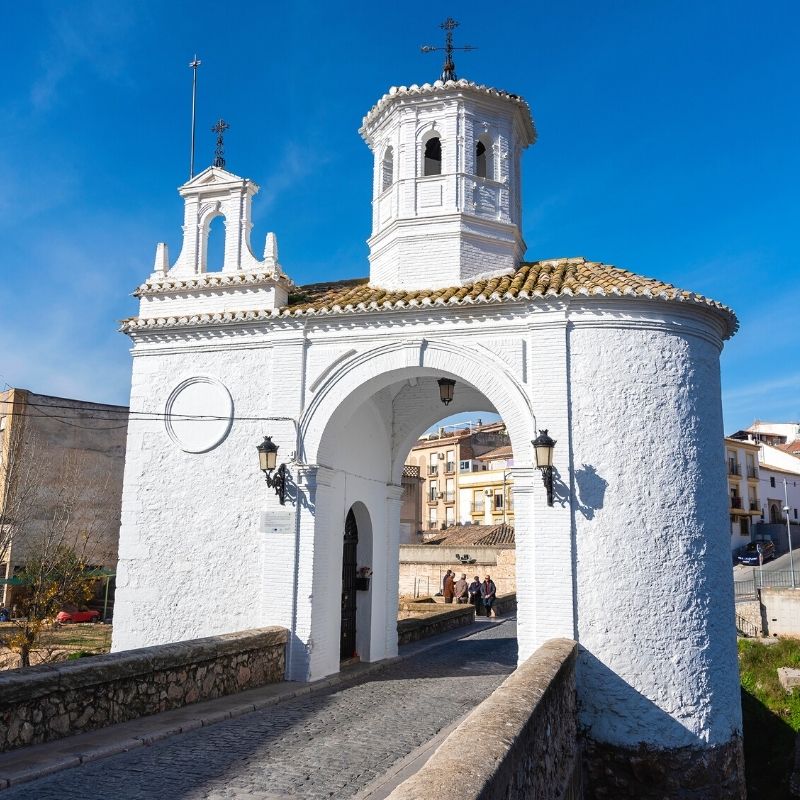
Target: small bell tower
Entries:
(446, 205)
(244, 283)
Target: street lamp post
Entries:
(788, 528)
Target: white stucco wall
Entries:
(190, 557)
(654, 604)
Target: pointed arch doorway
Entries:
(347, 637)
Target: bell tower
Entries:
(446, 204)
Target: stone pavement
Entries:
(332, 742)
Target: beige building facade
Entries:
(61, 465)
(741, 464)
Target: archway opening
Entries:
(457, 532)
(374, 449)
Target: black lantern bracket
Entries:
(278, 483)
(547, 480)
(543, 446)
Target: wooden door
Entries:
(347, 642)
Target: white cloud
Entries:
(92, 35)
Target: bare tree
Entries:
(58, 547)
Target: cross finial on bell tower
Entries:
(449, 68)
(219, 153)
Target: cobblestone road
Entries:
(327, 744)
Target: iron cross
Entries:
(449, 69)
(219, 154)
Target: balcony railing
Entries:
(752, 472)
(477, 508)
(755, 505)
(734, 468)
(433, 498)
(449, 497)
(450, 466)
(736, 502)
(433, 470)
(432, 526)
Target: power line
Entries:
(146, 417)
(141, 415)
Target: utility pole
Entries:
(194, 64)
(788, 528)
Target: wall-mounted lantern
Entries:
(543, 447)
(446, 386)
(267, 460)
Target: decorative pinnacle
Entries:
(219, 153)
(449, 68)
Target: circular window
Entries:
(199, 414)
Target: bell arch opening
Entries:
(213, 245)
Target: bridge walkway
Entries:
(334, 741)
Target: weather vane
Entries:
(449, 69)
(219, 154)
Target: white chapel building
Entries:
(632, 559)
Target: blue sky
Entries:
(668, 144)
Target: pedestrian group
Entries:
(480, 594)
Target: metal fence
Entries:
(748, 589)
(746, 628)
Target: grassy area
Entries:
(771, 717)
(61, 640)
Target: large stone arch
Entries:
(366, 373)
(368, 405)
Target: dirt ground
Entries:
(58, 642)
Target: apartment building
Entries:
(411, 505)
(778, 457)
(741, 459)
(458, 487)
(485, 493)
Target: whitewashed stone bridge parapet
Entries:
(48, 702)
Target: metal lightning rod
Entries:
(194, 64)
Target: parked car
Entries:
(750, 554)
(65, 617)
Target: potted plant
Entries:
(363, 574)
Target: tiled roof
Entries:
(211, 280)
(398, 92)
(792, 448)
(564, 277)
(475, 535)
(783, 468)
(499, 452)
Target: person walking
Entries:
(488, 595)
(461, 589)
(475, 595)
(448, 588)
